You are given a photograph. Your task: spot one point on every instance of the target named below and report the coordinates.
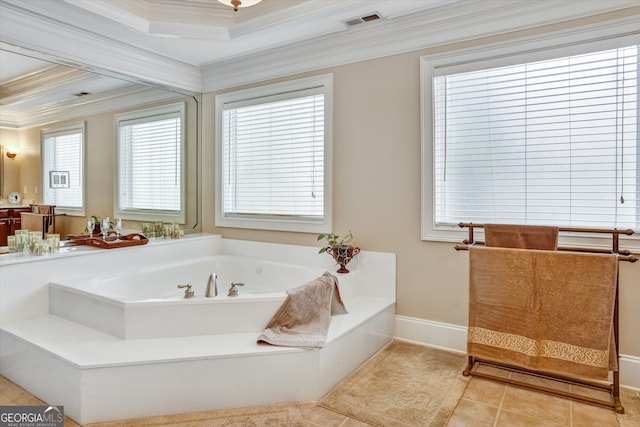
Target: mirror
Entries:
(39, 92)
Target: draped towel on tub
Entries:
(304, 317)
(543, 310)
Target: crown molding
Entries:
(285, 16)
(201, 19)
(132, 14)
(175, 19)
(29, 30)
(8, 122)
(115, 100)
(40, 82)
(451, 23)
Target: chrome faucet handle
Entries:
(233, 291)
(188, 293)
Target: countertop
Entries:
(9, 206)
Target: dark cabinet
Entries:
(10, 222)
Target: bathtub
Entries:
(147, 303)
(108, 335)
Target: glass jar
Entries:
(159, 229)
(11, 243)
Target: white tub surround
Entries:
(24, 278)
(64, 352)
(147, 303)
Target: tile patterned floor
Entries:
(485, 403)
(493, 404)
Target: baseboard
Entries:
(453, 338)
(433, 334)
(630, 371)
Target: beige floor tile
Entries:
(492, 370)
(473, 414)
(589, 415)
(11, 394)
(590, 392)
(316, 415)
(513, 419)
(631, 402)
(485, 391)
(354, 423)
(542, 382)
(537, 404)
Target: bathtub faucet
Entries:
(212, 286)
(188, 292)
(233, 291)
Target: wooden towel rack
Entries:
(612, 388)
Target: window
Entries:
(273, 151)
(150, 154)
(551, 141)
(63, 168)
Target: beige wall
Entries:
(24, 170)
(11, 172)
(376, 163)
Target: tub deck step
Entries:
(99, 377)
(87, 348)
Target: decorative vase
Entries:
(342, 255)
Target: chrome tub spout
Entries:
(212, 286)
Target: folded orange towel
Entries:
(521, 236)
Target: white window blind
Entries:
(546, 142)
(63, 154)
(150, 165)
(272, 158)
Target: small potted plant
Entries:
(340, 249)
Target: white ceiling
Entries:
(199, 32)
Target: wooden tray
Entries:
(134, 239)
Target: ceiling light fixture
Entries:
(238, 3)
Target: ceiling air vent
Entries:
(363, 19)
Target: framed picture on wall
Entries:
(59, 179)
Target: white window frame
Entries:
(79, 127)
(324, 81)
(564, 43)
(153, 214)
